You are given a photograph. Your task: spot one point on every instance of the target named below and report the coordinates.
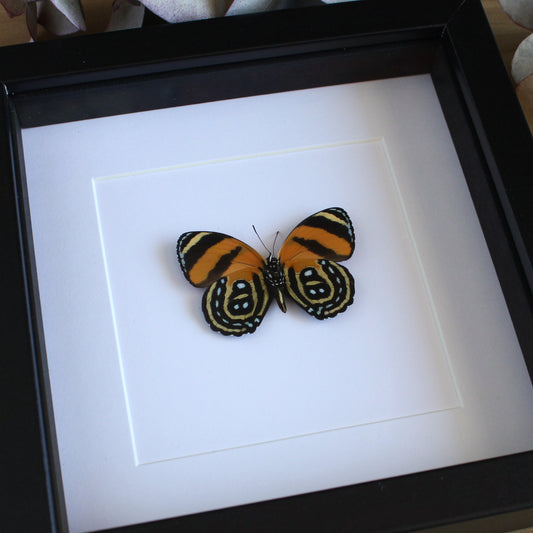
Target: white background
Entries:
(295, 375)
(159, 416)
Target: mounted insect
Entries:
(241, 284)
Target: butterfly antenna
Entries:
(274, 243)
(261, 240)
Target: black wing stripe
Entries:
(340, 228)
(223, 264)
(317, 248)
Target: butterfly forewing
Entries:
(313, 279)
(206, 256)
(327, 234)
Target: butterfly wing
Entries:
(309, 258)
(323, 288)
(237, 296)
(327, 234)
(236, 304)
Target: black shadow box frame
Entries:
(173, 65)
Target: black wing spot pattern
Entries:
(324, 289)
(238, 307)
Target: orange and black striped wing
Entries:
(327, 234)
(309, 257)
(206, 256)
(237, 296)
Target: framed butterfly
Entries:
(241, 284)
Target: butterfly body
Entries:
(275, 280)
(241, 284)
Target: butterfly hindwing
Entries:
(237, 296)
(323, 288)
(236, 304)
(309, 256)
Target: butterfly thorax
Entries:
(276, 280)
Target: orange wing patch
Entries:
(327, 234)
(206, 256)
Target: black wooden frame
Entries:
(171, 65)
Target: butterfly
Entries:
(241, 284)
